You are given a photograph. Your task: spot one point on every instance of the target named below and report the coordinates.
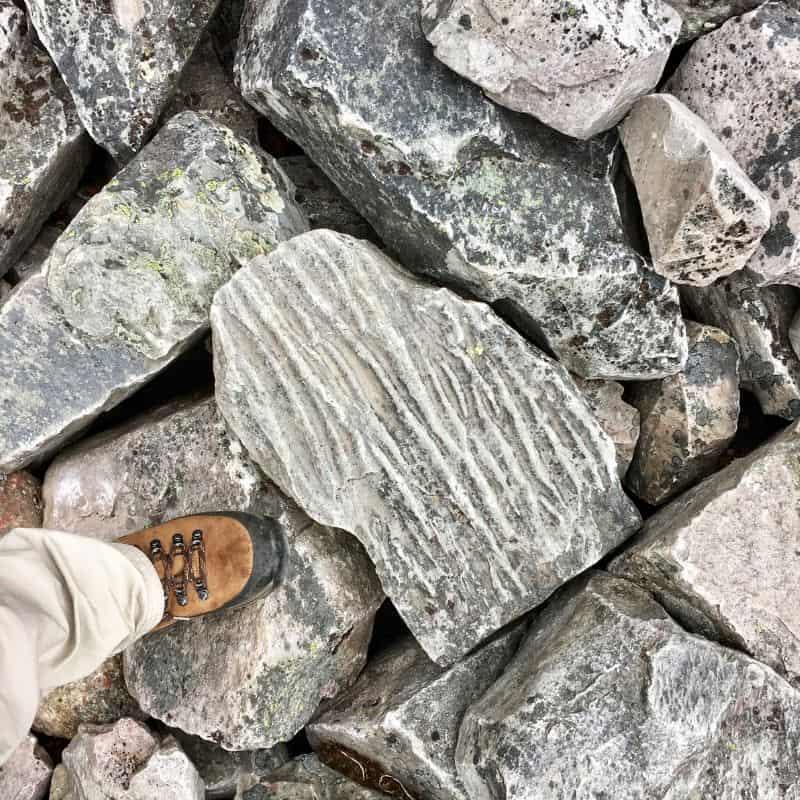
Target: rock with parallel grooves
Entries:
(462, 190)
(466, 462)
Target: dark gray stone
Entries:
(702, 16)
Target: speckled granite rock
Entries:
(26, 774)
(723, 559)
(20, 501)
(578, 67)
(402, 716)
(129, 282)
(618, 419)
(687, 420)
(741, 79)
(609, 697)
(703, 215)
(462, 190)
(121, 60)
(453, 456)
(43, 147)
(759, 320)
(702, 16)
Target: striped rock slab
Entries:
(465, 461)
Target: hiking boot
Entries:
(211, 562)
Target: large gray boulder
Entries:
(464, 460)
(609, 697)
(26, 774)
(577, 67)
(43, 147)
(121, 60)
(741, 79)
(464, 191)
(723, 558)
(129, 283)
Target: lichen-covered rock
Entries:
(618, 419)
(703, 215)
(723, 558)
(759, 320)
(609, 697)
(129, 283)
(26, 773)
(687, 420)
(741, 79)
(43, 147)
(121, 60)
(578, 67)
(402, 716)
(462, 190)
(20, 501)
(465, 461)
(702, 16)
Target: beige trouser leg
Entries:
(67, 603)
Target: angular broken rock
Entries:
(609, 697)
(402, 716)
(129, 283)
(465, 461)
(121, 60)
(35, 257)
(20, 501)
(26, 774)
(687, 420)
(463, 190)
(723, 558)
(43, 147)
(702, 16)
(704, 217)
(759, 319)
(741, 79)
(576, 67)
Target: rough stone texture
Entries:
(5, 290)
(129, 283)
(702, 16)
(26, 774)
(578, 67)
(687, 420)
(43, 147)
(306, 778)
(465, 461)
(704, 217)
(20, 501)
(609, 697)
(121, 60)
(34, 258)
(759, 320)
(224, 30)
(402, 716)
(463, 190)
(617, 418)
(723, 558)
(98, 699)
(741, 79)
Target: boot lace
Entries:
(181, 567)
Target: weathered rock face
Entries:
(616, 417)
(402, 716)
(20, 501)
(32, 261)
(608, 696)
(687, 420)
(453, 457)
(723, 558)
(742, 73)
(702, 16)
(463, 190)
(704, 217)
(43, 147)
(26, 774)
(548, 58)
(120, 60)
(130, 281)
(759, 320)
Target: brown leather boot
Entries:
(211, 562)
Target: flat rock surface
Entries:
(463, 190)
(578, 67)
(26, 774)
(43, 147)
(609, 697)
(121, 60)
(20, 501)
(464, 460)
(704, 217)
(724, 560)
(741, 80)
